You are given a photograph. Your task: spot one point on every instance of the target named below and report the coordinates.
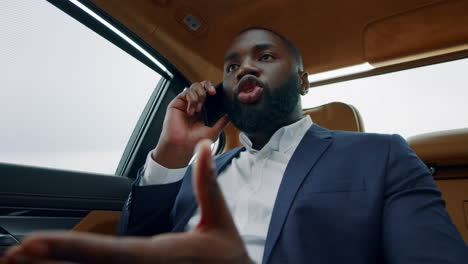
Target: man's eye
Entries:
(267, 57)
(231, 67)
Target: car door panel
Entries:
(34, 199)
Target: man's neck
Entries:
(260, 139)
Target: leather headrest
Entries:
(443, 148)
(336, 115)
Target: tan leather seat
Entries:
(336, 115)
(446, 153)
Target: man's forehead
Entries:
(253, 37)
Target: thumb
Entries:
(214, 210)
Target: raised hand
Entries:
(215, 240)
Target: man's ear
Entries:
(304, 81)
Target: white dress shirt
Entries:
(249, 184)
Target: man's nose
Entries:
(247, 67)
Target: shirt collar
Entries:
(283, 139)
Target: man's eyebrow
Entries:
(264, 46)
(256, 48)
(231, 56)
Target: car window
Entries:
(69, 98)
(408, 102)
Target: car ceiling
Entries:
(330, 34)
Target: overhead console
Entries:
(432, 30)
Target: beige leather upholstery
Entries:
(99, 222)
(336, 115)
(444, 148)
(446, 152)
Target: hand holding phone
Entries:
(184, 123)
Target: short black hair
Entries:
(292, 48)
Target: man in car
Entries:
(295, 192)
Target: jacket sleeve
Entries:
(416, 226)
(148, 208)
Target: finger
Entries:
(15, 255)
(98, 249)
(221, 123)
(201, 93)
(209, 87)
(192, 95)
(14, 250)
(77, 247)
(189, 106)
(192, 102)
(183, 95)
(214, 211)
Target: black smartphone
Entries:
(213, 108)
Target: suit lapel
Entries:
(314, 143)
(186, 202)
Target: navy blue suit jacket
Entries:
(345, 197)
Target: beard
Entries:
(276, 106)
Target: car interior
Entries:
(184, 42)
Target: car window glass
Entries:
(69, 99)
(408, 102)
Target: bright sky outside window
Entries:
(72, 97)
(408, 102)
